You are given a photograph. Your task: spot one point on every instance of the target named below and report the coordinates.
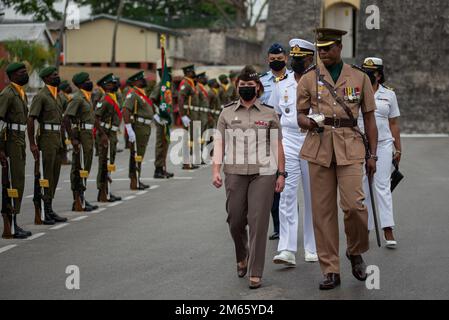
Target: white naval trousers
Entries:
(381, 187)
(297, 170)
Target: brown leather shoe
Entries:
(358, 266)
(241, 272)
(330, 281)
(255, 285)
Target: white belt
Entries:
(217, 112)
(187, 107)
(196, 108)
(86, 126)
(109, 126)
(17, 127)
(51, 127)
(143, 120)
(295, 131)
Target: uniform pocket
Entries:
(311, 145)
(355, 149)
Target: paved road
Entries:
(172, 243)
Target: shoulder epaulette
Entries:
(312, 67)
(387, 87)
(358, 68)
(263, 74)
(229, 104)
(267, 105)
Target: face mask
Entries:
(277, 65)
(225, 82)
(372, 77)
(115, 89)
(298, 66)
(55, 82)
(87, 86)
(247, 93)
(23, 80)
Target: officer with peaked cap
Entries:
(336, 152)
(283, 99)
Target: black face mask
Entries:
(23, 79)
(87, 86)
(372, 77)
(247, 93)
(277, 65)
(115, 88)
(55, 82)
(298, 65)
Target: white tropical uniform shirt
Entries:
(387, 108)
(268, 81)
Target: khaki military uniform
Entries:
(225, 96)
(215, 106)
(232, 92)
(142, 116)
(14, 112)
(161, 141)
(48, 111)
(204, 107)
(81, 110)
(336, 159)
(110, 122)
(191, 99)
(249, 186)
(65, 99)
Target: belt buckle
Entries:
(337, 123)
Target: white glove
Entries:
(186, 121)
(157, 119)
(131, 133)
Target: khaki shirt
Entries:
(138, 106)
(191, 95)
(46, 108)
(203, 98)
(241, 151)
(214, 100)
(344, 143)
(81, 109)
(65, 99)
(107, 113)
(12, 108)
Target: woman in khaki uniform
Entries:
(250, 178)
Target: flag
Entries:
(166, 103)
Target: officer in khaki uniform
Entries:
(65, 94)
(163, 121)
(107, 122)
(336, 153)
(80, 120)
(13, 119)
(250, 186)
(47, 109)
(214, 102)
(138, 115)
(188, 103)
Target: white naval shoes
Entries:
(285, 257)
(310, 257)
(390, 244)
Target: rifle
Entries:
(373, 206)
(8, 205)
(39, 184)
(110, 169)
(132, 164)
(104, 175)
(83, 175)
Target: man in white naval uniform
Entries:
(388, 149)
(283, 99)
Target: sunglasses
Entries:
(326, 48)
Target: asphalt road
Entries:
(172, 242)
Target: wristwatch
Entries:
(284, 174)
(374, 157)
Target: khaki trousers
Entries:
(249, 200)
(324, 184)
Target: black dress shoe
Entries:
(159, 175)
(274, 236)
(358, 267)
(169, 174)
(113, 198)
(19, 229)
(20, 234)
(330, 281)
(93, 207)
(143, 185)
(57, 218)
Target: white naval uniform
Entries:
(283, 99)
(387, 108)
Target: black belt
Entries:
(340, 123)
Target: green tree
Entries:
(41, 10)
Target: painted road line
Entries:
(98, 210)
(141, 192)
(115, 204)
(154, 187)
(4, 249)
(181, 178)
(418, 135)
(143, 179)
(79, 218)
(35, 236)
(129, 198)
(59, 226)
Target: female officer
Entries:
(388, 149)
(246, 130)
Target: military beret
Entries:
(136, 77)
(189, 68)
(223, 77)
(233, 74)
(212, 82)
(276, 48)
(13, 67)
(47, 71)
(201, 75)
(249, 74)
(80, 77)
(64, 85)
(301, 48)
(106, 79)
(326, 36)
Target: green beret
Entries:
(106, 79)
(79, 78)
(47, 71)
(136, 77)
(233, 74)
(64, 85)
(13, 67)
(223, 77)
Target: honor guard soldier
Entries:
(389, 149)
(138, 115)
(107, 122)
(188, 108)
(204, 104)
(65, 94)
(250, 186)
(47, 109)
(13, 119)
(336, 153)
(214, 102)
(80, 119)
(163, 121)
(233, 94)
(283, 99)
(225, 87)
